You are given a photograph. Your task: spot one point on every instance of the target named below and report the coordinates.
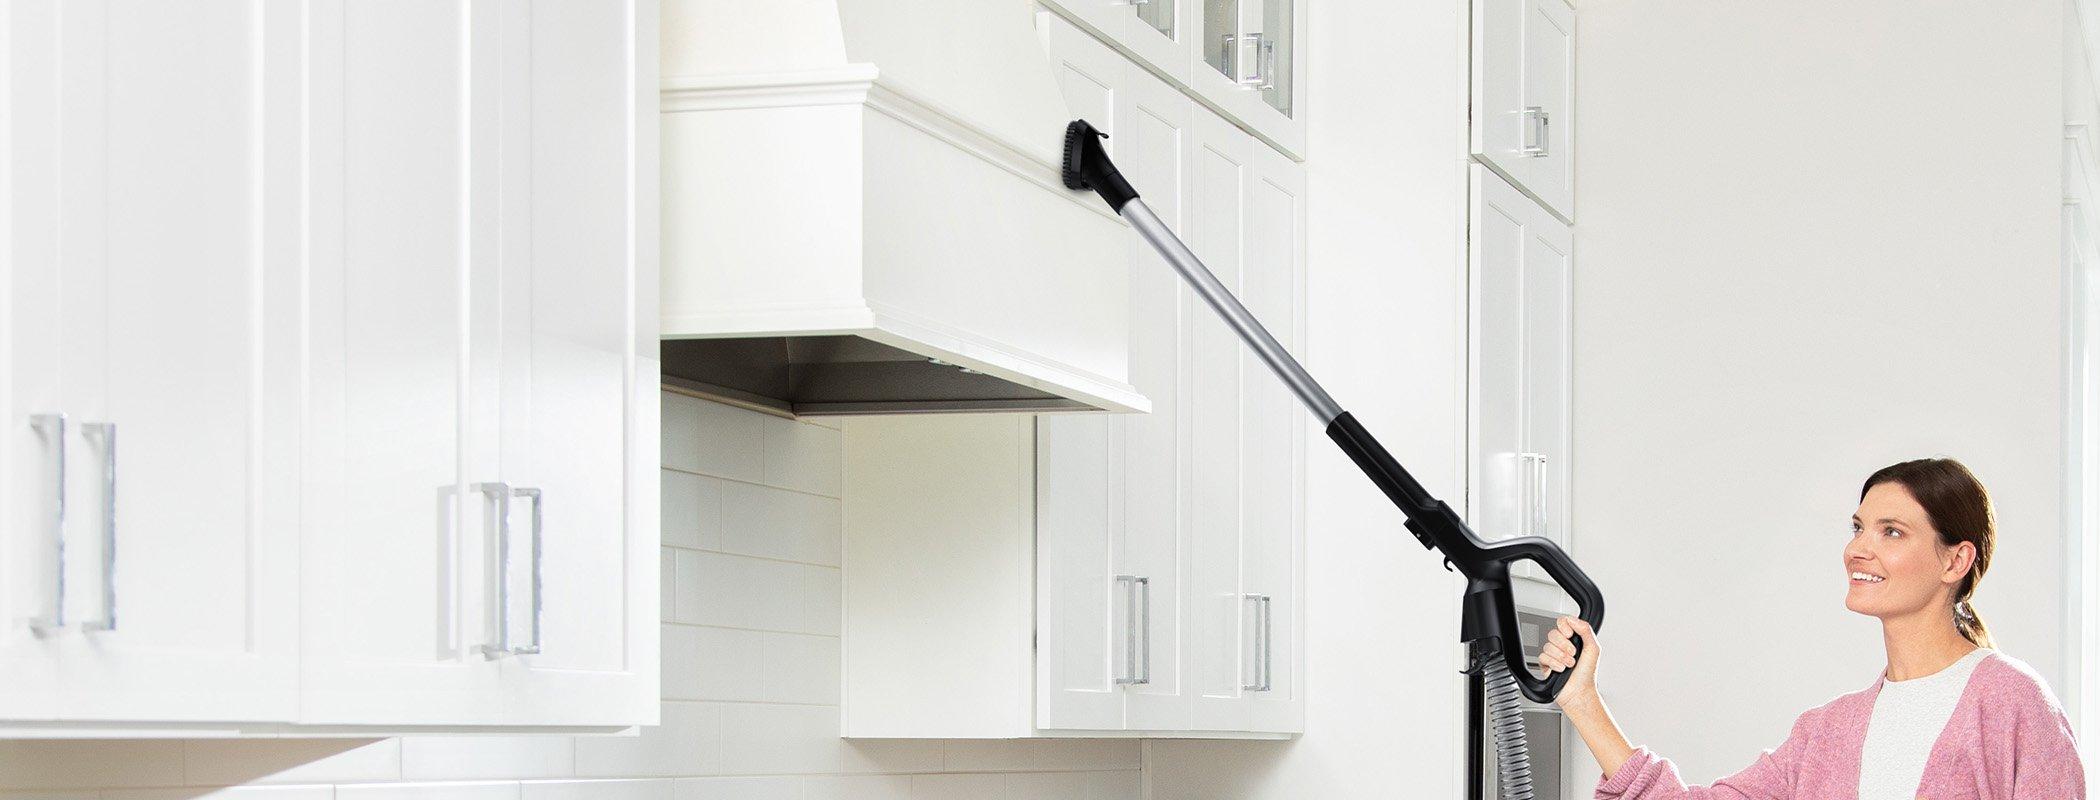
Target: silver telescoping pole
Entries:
(1230, 309)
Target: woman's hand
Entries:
(1580, 693)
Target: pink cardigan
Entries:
(2008, 740)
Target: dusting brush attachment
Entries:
(1087, 166)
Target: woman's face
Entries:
(1894, 562)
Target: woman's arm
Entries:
(1636, 774)
(1579, 700)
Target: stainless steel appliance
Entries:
(1543, 726)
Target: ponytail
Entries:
(1971, 626)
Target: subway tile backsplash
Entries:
(751, 532)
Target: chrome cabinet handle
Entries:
(535, 496)
(1535, 121)
(1268, 643)
(1261, 643)
(1136, 669)
(52, 427)
(1531, 500)
(1145, 630)
(107, 432)
(1250, 58)
(498, 496)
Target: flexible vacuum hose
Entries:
(1506, 719)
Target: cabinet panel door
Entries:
(1151, 148)
(1520, 257)
(1085, 647)
(1273, 430)
(1247, 65)
(384, 639)
(1500, 467)
(1549, 70)
(180, 122)
(574, 410)
(1221, 171)
(484, 379)
(1498, 127)
(30, 391)
(1522, 104)
(1157, 32)
(1089, 74)
(1547, 278)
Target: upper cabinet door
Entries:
(35, 436)
(1249, 65)
(157, 162)
(568, 557)
(484, 425)
(1523, 79)
(385, 551)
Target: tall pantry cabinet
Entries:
(1520, 263)
(329, 367)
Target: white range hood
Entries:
(862, 213)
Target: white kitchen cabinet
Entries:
(299, 286)
(153, 366)
(1521, 263)
(1523, 88)
(1154, 589)
(484, 425)
(1242, 58)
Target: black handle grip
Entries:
(1589, 603)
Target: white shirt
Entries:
(1908, 718)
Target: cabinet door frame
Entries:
(1281, 707)
(1511, 74)
(1540, 231)
(1244, 105)
(1217, 647)
(1160, 704)
(452, 682)
(29, 367)
(216, 641)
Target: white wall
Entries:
(1385, 277)
(1813, 239)
(751, 680)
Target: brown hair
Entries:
(1958, 507)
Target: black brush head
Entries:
(1086, 165)
(1076, 133)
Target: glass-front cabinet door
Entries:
(1251, 43)
(1248, 66)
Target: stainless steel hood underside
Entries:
(840, 375)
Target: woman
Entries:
(1949, 718)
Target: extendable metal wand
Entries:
(1488, 623)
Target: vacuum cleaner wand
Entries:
(1488, 623)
